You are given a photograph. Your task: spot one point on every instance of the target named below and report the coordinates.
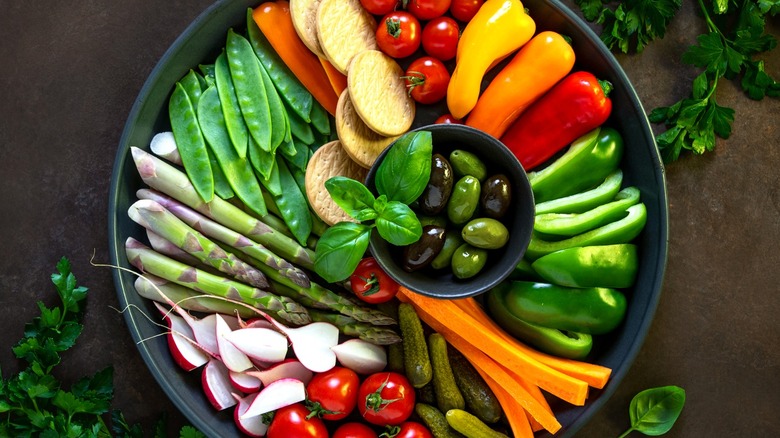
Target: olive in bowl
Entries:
(477, 216)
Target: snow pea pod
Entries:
(237, 170)
(193, 87)
(264, 163)
(563, 224)
(584, 201)
(293, 205)
(221, 185)
(289, 87)
(190, 142)
(300, 158)
(250, 89)
(300, 128)
(280, 126)
(234, 121)
(319, 119)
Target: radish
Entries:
(257, 323)
(312, 343)
(277, 395)
(163, 145)
(244, 382)
(252, 426)
(233, 358)
(216, 385)
(184, 349)
(287, 369)
(261, 344)
(361, 356)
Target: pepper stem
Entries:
(606, 86)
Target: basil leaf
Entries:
(654, 411)
(339, 250)
(352, 196)
(398, 224)
(380, 204)
(406, 169)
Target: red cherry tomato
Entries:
(464, 10)
(372, 284)
(333, 394)
(291, 421)
(428, 9)
(448, 119)
(398, 34)
(354, 430)
(428, 78)
(386, 398)
(440, 38)
(411, 429)
(379, 7)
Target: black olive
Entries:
(421, 253)
(496, 196)
(437, 192)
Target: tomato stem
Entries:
(373, 282)
(375, 402)
(393, 27)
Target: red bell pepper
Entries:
(573, 107)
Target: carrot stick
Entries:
(595, 375)
(520, 420)
(536, 393)
(448, 319)
(273, 19)
(337, 79)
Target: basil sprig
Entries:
(654, 411)
(400, 180)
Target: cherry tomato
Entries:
(428, 78)
(464, 10)
(379, 7)
(428, 9)
(440, 38)
(354, 430)
(398, 34)
(410, 429)
(448, 119)
(386, 398)
(372, 284)
(333, 394)
(291, 421)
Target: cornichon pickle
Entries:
(436, 194)
(496, 196)
(417, 362)
(470, 426)
(421, 253)
(465, 163)
(435, 420)
(479, 398)
(485, 233)
(448, 395)
(451, 242)
(468, 260)
(464, 200)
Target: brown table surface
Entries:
(71, 71)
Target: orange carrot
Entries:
(337, 79)
(520, 420)
(594, 375)
(273, 19)
(448, 319)
(536, 393)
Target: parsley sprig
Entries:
(34, 403)
(735, 35)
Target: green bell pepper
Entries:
(584, 201)
(585, 164)
(612, 266)
(593, 310)
(560, 343)
(571, 224)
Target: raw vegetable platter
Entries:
(202, 42)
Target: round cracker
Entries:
(379, 93)
(358, 140)
(304, 18)
(330, 160)
(344, 29)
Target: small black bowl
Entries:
(519, 220)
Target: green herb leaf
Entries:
(353, 197)
(398, 224)
(406, 169)
(340, 249)
(632, 25)
(654, 411)
(190, 432)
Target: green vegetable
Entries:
(584, 201)
(448, 395)
(280, 124)
(234, 121)
(340, 249)
(293, 205)
(190, 143)
(398, 224)
(435, 421)
(147, 286)
(320, 120)
(470, 426)
(417, 362)
(221, 185)
(349, 326)
(353, 197)
(590, 266)
(405, 170)
(478, 396)
(571, 224)
(654, 411)
(192, 86)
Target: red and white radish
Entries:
(257, 323)
(233, 358)
(252, 426)
(163, 145)
(275, 396)
(312, 343)
(361, 356)
(287, 369)
(244, 382)
(216, 385)
(184, 349)
(262, 344)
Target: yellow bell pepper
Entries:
(499, 28)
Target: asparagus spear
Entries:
(227, 236)
(150, 286)
(163, 177)
(162, 222)
(150, 261)
(350, 327)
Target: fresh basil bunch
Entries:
(400, 180)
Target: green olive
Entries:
(464, 200)
(468, 261)
(466, 163)
(437, 192)
(485, 233)
(440, 221)
(421, 253)
(451, 242)
(496, 196)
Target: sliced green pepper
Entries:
(584, 201)
(620, 231)
(560, 343)
(571, 224)
(584, 165)
(593, 310)
(590, 266)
